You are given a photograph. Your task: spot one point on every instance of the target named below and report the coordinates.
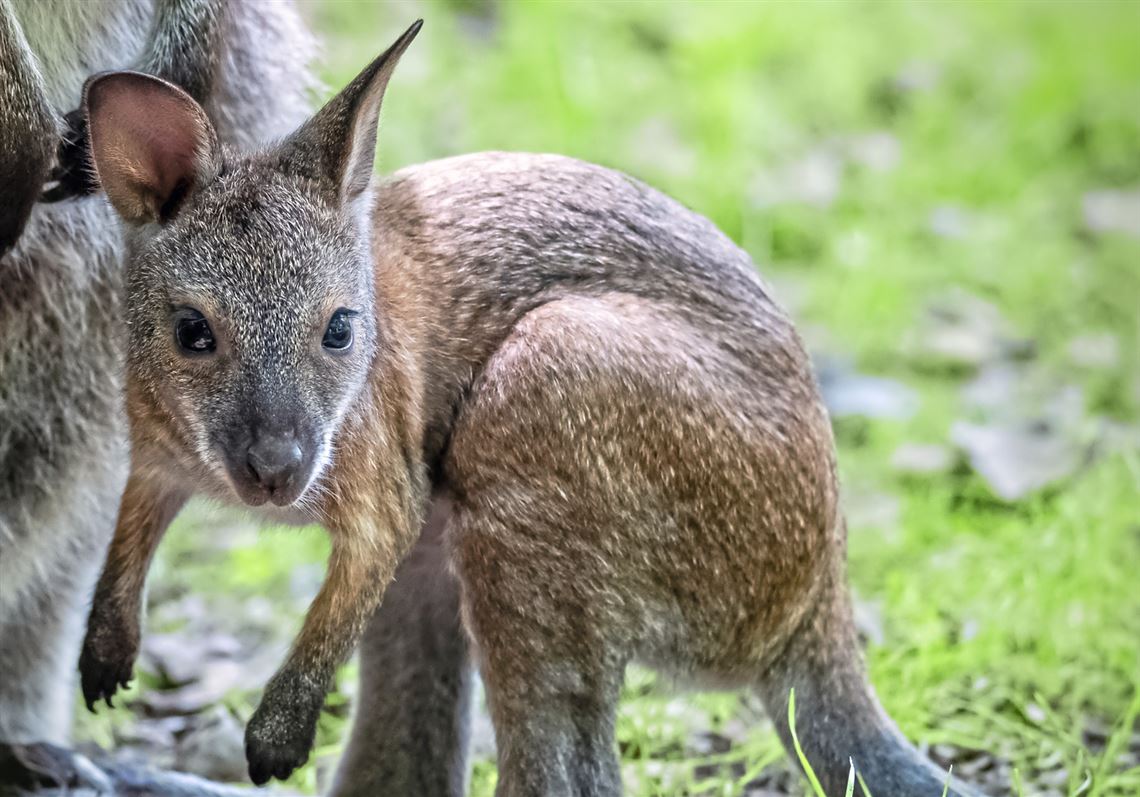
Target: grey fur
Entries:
(63, 454)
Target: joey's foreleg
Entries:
(410, 727)
(281, 732)
(112, 642)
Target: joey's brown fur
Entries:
(582, 391)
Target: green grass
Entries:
(1007, 627)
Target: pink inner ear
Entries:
(149, 141)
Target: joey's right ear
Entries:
(151, 143)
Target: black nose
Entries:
(274, 460)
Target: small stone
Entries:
(1111, 210)
(918, 76)
(849, 393)
(962, 332)
(922, 460)
(1095, 350)
(950, 221)
(1018, 459)
(879, 151)
(970, 629)
(180, 658)
(872, 509)
(706, 743)
(214, 748)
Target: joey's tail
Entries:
(838, 718)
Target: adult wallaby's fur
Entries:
(63, 453)
(580, 389)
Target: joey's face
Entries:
(252, 329)
(250, 305)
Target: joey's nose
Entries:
(275, 460)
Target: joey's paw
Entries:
(280, 734)
(73, 175)
(106, 663)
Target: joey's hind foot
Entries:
(26, 767)
(282, 730)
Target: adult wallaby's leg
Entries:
(552, 676)
(410, 731)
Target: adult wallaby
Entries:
(584, 390)
(63, 453)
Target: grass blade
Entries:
(812, 779)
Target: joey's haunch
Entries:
(533, 373)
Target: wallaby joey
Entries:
(590, 382)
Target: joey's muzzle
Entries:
(274, 465)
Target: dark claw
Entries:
(100, 679)
(73, 175)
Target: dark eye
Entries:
(192, 332)
(338, 334)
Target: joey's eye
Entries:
(338, 334)
(192, 332)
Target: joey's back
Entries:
(466, 246)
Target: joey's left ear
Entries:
(151, 144)
(337, 147)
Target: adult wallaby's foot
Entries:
(26, 767)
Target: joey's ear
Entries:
(151, 143)
(337, 147)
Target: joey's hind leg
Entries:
(552, 677)
(410, 731)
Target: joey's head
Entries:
(252, 323)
